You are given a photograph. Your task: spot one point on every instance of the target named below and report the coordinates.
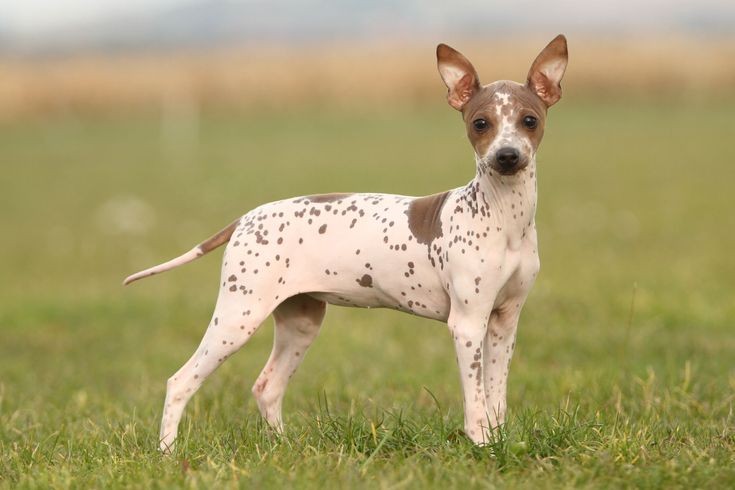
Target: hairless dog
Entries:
(467, 256)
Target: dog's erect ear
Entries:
(544, 77)
(458, 74)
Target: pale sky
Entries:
(38, 15)
(32, 16)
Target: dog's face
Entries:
(504, 120)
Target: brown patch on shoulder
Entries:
(335, 196)
(223, 236)
(424, 217)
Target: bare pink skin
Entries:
(467, 257)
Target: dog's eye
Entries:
(480, 125)
(530, 122)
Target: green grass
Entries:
(623, 374)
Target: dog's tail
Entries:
(220, 238)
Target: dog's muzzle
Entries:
(508, 161)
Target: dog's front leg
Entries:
(498, 349)
(468, 328)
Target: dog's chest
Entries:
(491, 236)
(519, 268)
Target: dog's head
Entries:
(505, 120)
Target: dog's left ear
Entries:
(544, 77)
(458, 74)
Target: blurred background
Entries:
(130, 130)
(182, 56)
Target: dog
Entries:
(467, 256)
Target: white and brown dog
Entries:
(467, 256)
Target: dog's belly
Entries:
(427, 299)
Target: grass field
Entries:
(624, 373)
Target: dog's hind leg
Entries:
(297, 324)
(232, 325)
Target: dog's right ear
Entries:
(458, 74)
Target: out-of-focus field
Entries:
(351, 74)
(623, 374)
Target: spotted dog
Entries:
(467, 257)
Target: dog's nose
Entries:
(507, 157)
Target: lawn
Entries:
(624, 372)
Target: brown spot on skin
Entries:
(424, 217)
(335, 196)
(322, 229)
(223, 236)
(261, 386)
(365, 281)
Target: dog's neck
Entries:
(511, 199)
